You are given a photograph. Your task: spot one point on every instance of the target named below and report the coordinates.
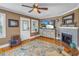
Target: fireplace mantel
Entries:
(70, 27)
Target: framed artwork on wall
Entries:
(13, 23)
(69, 19)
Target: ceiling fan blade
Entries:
(38, 11)
(43, 8)
(27, 6)
(30, 10)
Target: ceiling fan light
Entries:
(35, 9)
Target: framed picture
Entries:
(69, 19)
(13, 23)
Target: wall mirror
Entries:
(69, 19)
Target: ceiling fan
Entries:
(35, 8)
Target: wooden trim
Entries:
(30, 26)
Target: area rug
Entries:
(35, 48)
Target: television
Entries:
(48, 24)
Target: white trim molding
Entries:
(3, 25)
(70, 27)
(5, 45)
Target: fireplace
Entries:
(67, 38)
(70, 35)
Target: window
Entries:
(2, 25)
(47, 24)
(34, 27)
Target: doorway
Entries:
(24, 28)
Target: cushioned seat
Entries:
(15, 40)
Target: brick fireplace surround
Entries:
(72, 33)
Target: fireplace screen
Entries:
(67, 38)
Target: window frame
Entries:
(3, 16)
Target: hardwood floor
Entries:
(73, 52)
(2, 50)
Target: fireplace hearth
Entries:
(67, 38)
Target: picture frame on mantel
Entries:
(13, 23)
(68, 19)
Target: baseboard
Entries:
(5, 45)
(33, 37)
(47, 37)
(78, 48)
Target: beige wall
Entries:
(9, 30)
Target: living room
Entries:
(56, 23)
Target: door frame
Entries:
(21, 28)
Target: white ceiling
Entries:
(54, 9)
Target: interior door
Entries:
(24, 28)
